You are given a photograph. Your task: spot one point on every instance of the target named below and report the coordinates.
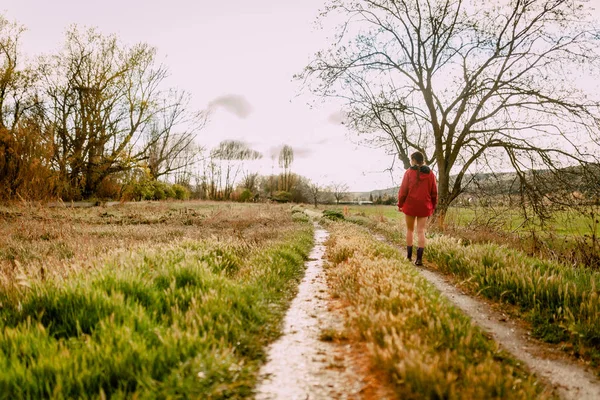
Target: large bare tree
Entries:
(468, 83)
(102, 100)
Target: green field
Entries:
(577, 222)
(583, 221)
(150, 301)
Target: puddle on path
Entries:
(300, 366)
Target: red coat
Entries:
(418, 199)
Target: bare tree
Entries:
(103, 100)
(315, 192)
(172, 134)
(22, 143)
(339, 190)
(232, 153)
(250, 181)
(468, 83)
(286, 158)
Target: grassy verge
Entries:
(570, 236)
(427, 347)
(183, 320)
(561, 302)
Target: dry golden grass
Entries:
(428, 348)
(40, 242)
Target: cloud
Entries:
(338, 117)
(234, 103)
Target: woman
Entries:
(417, 199)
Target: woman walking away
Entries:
(417, 199)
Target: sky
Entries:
(236, 58)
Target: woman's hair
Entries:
(418, 157)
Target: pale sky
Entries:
(238, 56)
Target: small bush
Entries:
(300, 217)
(109, 189)
(245, 196)
(168, 189)
(282, 196)
(181, 192)
(333, 215)
(156, 190)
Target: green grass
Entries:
(185, 320)
(566, 222)
(379, 211)
(560, 301)
(427, 348)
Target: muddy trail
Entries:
(301, 365)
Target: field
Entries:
(568, 236)
(559, 300)
(575, 223)
(180, 300)
(427, 348)
(155, 300)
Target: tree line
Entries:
(95, 120)
(475, 86)
(75, 123)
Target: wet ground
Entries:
(301, 365)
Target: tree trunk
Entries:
(443, 196)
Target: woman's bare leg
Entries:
(410, 228)
(421, 224)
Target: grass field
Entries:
(576, 222)
(559, 300)
(160, 300)
(427, 348)
(570, 236)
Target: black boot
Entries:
(409, 253)
(419, 260)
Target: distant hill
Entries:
(508, 182)
(390, 192)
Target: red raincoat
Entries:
(418, 198)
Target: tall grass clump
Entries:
(185, 320)
(426, 347)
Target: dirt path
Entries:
(570, 379)
(300, 365)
